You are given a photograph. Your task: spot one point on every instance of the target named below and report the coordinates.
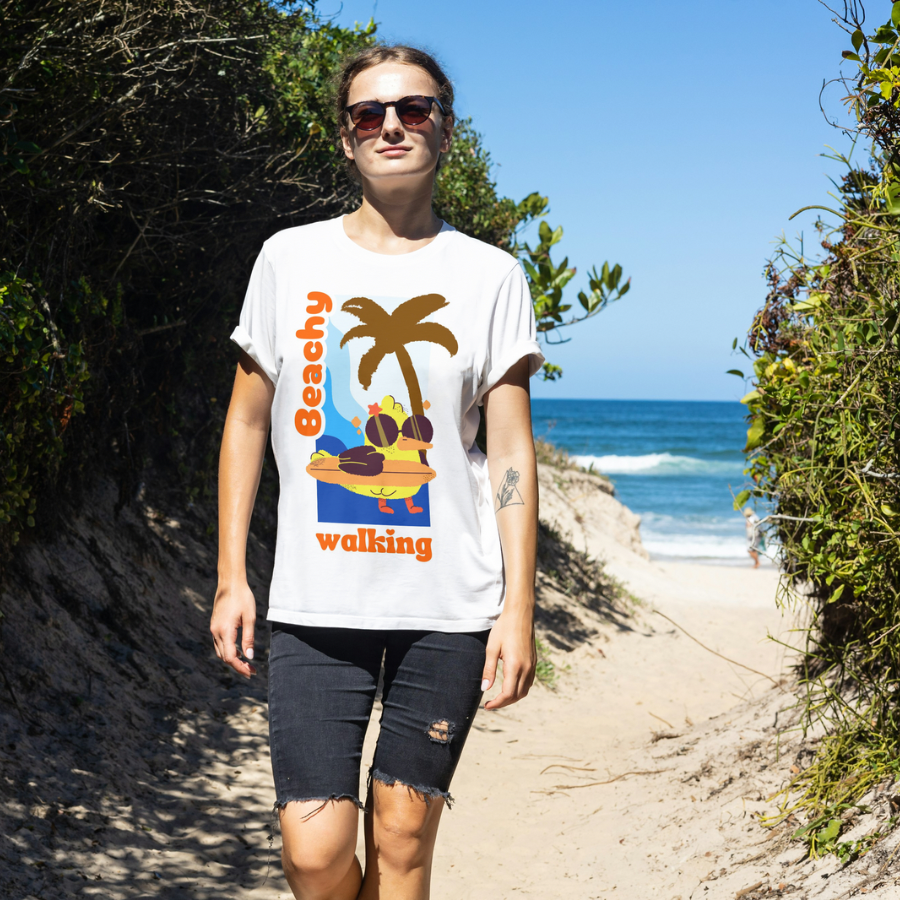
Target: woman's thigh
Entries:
(432, 690)
(322, 684)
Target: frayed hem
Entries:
(426, 793)
(279, 805)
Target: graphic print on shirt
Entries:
(371, 460)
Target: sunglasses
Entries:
(368, 115)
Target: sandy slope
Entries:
(642, 775)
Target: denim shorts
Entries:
(322, 686)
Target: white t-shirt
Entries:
(386, 515)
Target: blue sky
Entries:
(674, 138)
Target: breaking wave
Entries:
(658, 464)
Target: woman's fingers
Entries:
(224, 628)
(515, 684)
(492, 655)
(247, 637)
(518, 677)
(247, 631)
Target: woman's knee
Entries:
(318, 845)
(318, 866)
(404, 825)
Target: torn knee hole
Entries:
(440, 731)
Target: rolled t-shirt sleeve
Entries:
(255, 333)
(512, 334)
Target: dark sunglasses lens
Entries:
(368, 117)
(414, 111)
(382, 430)
(419, 428)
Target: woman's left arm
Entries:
(513, 472)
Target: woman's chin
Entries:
(400, 169)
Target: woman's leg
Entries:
(322, 685)
(318, 852)
(401, 828)
(432, 690)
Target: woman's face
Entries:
(393, 154)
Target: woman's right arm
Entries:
(240, 464)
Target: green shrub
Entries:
(824, 445)
(42, 386)
(151, 170)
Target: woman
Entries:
(755, 540)
(368, 342)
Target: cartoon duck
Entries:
(390, 465)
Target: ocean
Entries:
(676, 463)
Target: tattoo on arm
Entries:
(509, 495)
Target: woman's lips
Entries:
(394, 151)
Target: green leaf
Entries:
(737, 372)
(551, 372)
(857, 37)
(895, 14)
(755, 433)
(749, 398)
(830, 832)
(532, 272)
(741, 499)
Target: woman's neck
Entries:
(393, 226)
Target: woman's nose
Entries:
(392, 123)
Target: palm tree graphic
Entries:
(392, 332)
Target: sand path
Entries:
(510, 834)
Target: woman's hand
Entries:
(512, 640)
(234, 607)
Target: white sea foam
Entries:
(699, 544)
(657, 464)
(695, 546)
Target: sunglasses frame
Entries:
(395, 103)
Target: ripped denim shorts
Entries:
(322, 686)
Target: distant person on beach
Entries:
(754, 535)
(368, 343)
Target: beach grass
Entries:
(551, 455)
